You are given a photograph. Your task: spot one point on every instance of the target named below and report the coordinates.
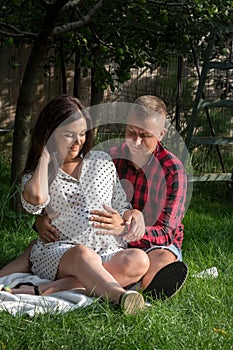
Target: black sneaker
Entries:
(167, 281)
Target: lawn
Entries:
(200, 316)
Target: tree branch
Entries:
(71, 4)
(14, 32)
(166, 3)
(79, 24)
(46, 3)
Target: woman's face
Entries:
(70, 139)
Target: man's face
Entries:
(142, 136)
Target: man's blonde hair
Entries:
(152, 103)
(149, 106)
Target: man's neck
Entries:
(139, 161)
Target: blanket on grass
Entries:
(20, 304)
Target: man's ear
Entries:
(162, 133)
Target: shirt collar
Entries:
(153, 155)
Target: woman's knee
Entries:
(74, 258)
(83, 253)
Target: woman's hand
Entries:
(109, 222)
(45, 155)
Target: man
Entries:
(155, 183)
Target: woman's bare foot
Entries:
(26, 288)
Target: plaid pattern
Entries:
(159, 191)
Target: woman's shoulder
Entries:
(98, 160)
(99, 155)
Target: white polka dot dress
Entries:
(70, 203)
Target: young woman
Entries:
(67, 180)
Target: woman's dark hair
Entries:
(59, 111)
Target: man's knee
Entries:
(134, 261)
(161, 257)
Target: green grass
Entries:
(200, 316)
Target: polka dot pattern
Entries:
(71, 202)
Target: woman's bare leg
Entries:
(20, 264)
(125, 268)
(86, 266)
(66, 283)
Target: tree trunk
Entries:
(63, 67)
(26, 98)
(96, 98)
(97, 95)
(77, 75)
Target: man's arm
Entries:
(46, 231)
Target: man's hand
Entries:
(46, 231)
(136, 225)
(109, 222)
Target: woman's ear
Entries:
(162, 133)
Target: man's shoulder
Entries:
(117, 151)
(168, 159)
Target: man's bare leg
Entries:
(158, 259)
(20, 264)
(128, 266)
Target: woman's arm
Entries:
(35, 190)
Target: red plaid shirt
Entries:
(158, 190)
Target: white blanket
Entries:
(19, 304)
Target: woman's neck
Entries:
(72, 167)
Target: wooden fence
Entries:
(175, 84)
